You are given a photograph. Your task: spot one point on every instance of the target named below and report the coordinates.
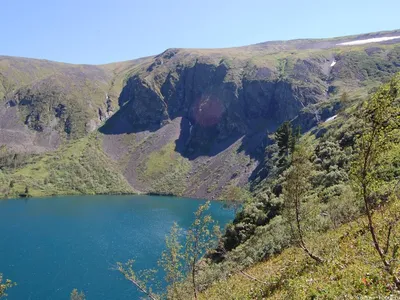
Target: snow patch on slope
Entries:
(373, 40)
(333, 63)
(331, 118)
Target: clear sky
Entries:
(101, 31)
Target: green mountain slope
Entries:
(352, 271)
(77, 168)
(207, 112)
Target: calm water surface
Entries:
(51, 245)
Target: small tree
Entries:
(380, 120)
(286, 138)
(199, 240)
(344, 97)
(283, 138)
(140, 280)
(180, 261)
(295, 192)
(172, 259)
(75, 295)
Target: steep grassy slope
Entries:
(210, 109)
(77, 168)
(352, 270)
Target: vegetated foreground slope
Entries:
(305, 233)
(188, 121)
(352, 270)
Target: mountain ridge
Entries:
(208, 112)
(345, 38)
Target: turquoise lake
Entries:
(49, 246)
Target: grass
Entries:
(165, 171)
(233, 192)
(77, 168)
(352, 269)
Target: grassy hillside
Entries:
(77, 168)
(352, 270)
(164, 169)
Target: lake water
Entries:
(51, 245)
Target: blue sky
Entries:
(101, 31)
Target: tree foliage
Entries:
(200, 239)
(12, 160)
(283, 137)
(374, 178)
(141, 280)
(286, 138)
(296, 189)
(172, 259)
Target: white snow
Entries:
(331, 118)
(333, 63)
(373, 40)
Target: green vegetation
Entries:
(345, 228)
(165, 171)
(79, 167)
(321, 217)
(10, 159)
(351, 269)
(295, 192)
(141, 280)
(286, 141)
(374, 170)
(235, 196)
(257, 87)
(369, 67)
(322, 220)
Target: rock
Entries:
(217, 108)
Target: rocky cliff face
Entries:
(220, 100)
(219, 106)
(217, 100)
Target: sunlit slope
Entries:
(211, 110)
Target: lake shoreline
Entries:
(14, 197)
